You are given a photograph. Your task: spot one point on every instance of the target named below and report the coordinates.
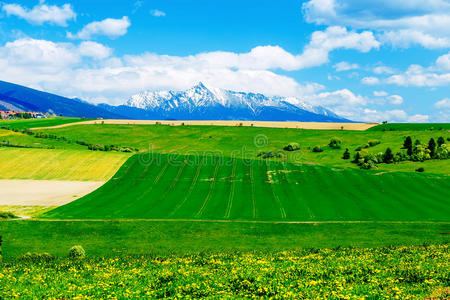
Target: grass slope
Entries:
(247, 142)
(190, 187)
(56, 164)
(410, 127)
(32, 123)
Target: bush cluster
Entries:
(335, 143)
(7, 215)
(12, 145)
(371, 143)
(36, 257)
(317, 149)
(272, 154)
(414, 152)
(292, 147)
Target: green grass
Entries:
(189, 187)
(248, 142)
(122, 238)
(33, 123)
(56, 164)
(411, 127)
(383, 273)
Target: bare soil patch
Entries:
(44, 192)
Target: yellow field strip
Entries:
(299, 125)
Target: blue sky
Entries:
(367, 60)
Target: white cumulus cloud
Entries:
(345, 66)
(111, 28)
(41, 13)
(94, 50)
(397, 22)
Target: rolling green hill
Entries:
(410, 127)
(247, 142)
(208, 188)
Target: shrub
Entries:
(36, 257)
(368, 165)
(7, 215)
(420, 169)
(77, 252)
(335, 143)
(440, 141)
(388, 156)
(373, 143)
(317, 149)
(346, 154)
(292, 147)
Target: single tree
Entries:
(432, 147)
(440, 141)
(357, 158)
(346, 154)
(388, 156)
(407, 142)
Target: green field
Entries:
(247, 142)
(57, 164)
(411, 127)
(117, 238)
(32, 123)
(211, 188)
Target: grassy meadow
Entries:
(119, 238)
(394, 272)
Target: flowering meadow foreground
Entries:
(345, 273)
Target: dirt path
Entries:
(299, 125)
(43, 192)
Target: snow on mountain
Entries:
(202, 102)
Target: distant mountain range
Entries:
(19, 98)
(197, 103)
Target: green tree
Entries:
(407, 144)
(335, 143)
(440, 141)
(388, 156)
(346, 154)
(357, 158)
(432, 147)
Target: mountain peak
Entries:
(210, 103)
(200, 87)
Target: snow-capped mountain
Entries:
(207, 103)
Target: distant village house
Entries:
(10, 114)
